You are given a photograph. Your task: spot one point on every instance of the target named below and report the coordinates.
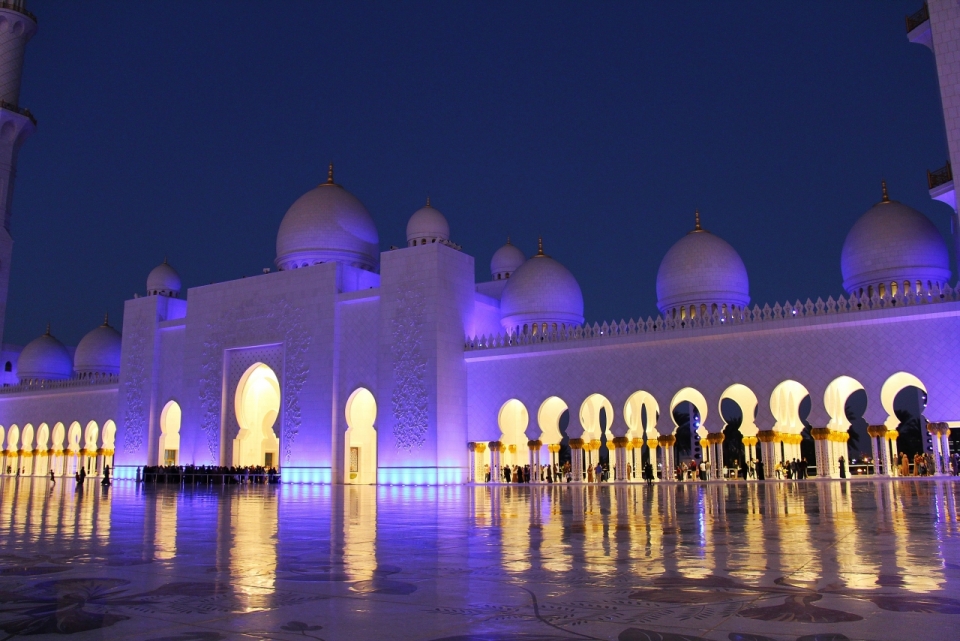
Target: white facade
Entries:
(350, 365)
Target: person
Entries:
(506, 473)
(598, 473)
(904, 464)
(648, 473)
(630, 471)
(53, 479)
(843, 467)
(138, 476)
(106, 476)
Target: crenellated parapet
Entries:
(747, 317)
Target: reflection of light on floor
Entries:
(252, 544)
(360, 532)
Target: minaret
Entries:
(937, 25)
(17, 26)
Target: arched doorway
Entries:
(168, 453)
(549, 417)
(89, 451)
(73, 448)
(42, 461)
(13, 447)
(738, 409)
(596, 415)
(513, 419)
(57, 443)
(26, 444)
(257, 405)
(641, 413)
(109, 442)
(790, 404)
(904, 398)
(360, 440)
(846, 402)
(688, 409)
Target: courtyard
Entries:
(815, 560)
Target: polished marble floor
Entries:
(816, 561)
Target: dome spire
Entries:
(696, 215)
(48, 330)
(539, 246)
(883, 186)
(508, 240)
(428, 201)
(330, 175)
(106, 320)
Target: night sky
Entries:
(186, 130)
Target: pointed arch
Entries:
(360, 440)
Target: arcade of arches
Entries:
(638, 437)
(257, 406)
(62, 448)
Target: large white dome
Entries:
(98, 352)
(427, 225)
(163, 280)
(505, 261)
(44, 358)
(541, 292)
(701, 270)
(893, 243)
(328, 224)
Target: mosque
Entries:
(349, 364)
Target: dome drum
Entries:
(505, 261)
(427, 226)
(163, 280)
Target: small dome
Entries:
(893, 243)
(98, 352)
(163, 281)
(541, 291)
(701, 270)
(427, 225)
(44, 358)
(505, 261)
(328, 224)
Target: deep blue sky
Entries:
(187, 129)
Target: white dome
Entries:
(98, 352)
(541, 291)
(893, 243)
(702, 269)
(427, 225)
(44, 358)
(505, 261)
(163, 280)
(328, 224)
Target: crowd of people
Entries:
(206, 474)
(561, 473)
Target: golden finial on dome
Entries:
(48, 330)
(330, 175)
(106, 320)
(883, 186)
(428, 201)
(540, 246)
(508, 240)
(696, 226)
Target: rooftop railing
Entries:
(786, 312)
(939, 177)
(70, 383)
(918, 18)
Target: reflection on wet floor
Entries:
(868, 560)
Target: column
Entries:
(576, 459)
(652, 456)
(534, 447)
(496, 475)
(666, 447)
(472, 462)
(821, 444)
(890, 443)
(478, 463)
(935, 431)
(875, 432)
(717, 455)
(945, 448)
(768, 451)
(620, 452)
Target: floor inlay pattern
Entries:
(774, 561)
